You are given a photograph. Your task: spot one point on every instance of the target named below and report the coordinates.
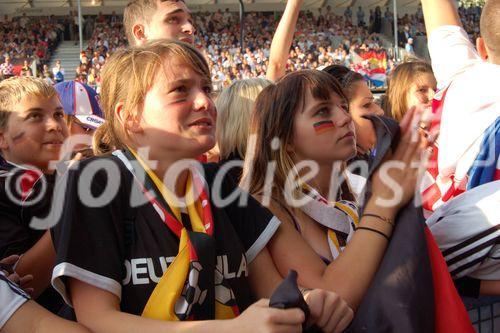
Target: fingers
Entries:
(333, 309)
(412, 149)
(342, 313)
(25, 279)
(413, 140)
(316, 305)
(293, 316)
(10, 260)
(288, 329)
(262, 303)
(409, 133)
(29, 291)
(330, 312)
(345, 321)
(287, 317)
(404, 124)
(7, 264)
(14, 278)
(265, 319)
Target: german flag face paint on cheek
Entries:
(323, 126)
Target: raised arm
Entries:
(438, 13)
(282, 40)
(450, 49)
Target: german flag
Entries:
(323, 126)
(412, 290)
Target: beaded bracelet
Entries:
(385, 219)
(375, 231)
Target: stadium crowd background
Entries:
(322, 38)
(355, 39)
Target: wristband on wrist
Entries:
(375, 231)
(382, 218)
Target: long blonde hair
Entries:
(128, 76)
(399, 83)
(234, 109)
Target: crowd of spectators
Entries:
(412, 25)
(322, 38)
(435, 129)
(25, 39)
(107, 36)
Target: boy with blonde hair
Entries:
(32, 132)
(32, 127)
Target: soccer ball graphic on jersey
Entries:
(223, 294)
(191, 294)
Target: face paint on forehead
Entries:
(323, 126)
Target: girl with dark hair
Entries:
(304, 128)
(374, 132)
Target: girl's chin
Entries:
(202, 148)
(345, 156)
(207, 144)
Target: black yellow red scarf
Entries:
(186, 290)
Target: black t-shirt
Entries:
(125, 250)
(23, 195)
(236, 171)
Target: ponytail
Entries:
(102, 142)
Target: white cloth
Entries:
(471, 105)
(341, 219)
(11, 299)
(467, 230)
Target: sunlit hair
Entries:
(127, 77)
(234, 109)
(273, 117)
(400, 82)
(14, 89)
(139, 11)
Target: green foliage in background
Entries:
(468, 3)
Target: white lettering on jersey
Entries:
(136, 270)
(142, 270)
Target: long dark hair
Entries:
(273, 117)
